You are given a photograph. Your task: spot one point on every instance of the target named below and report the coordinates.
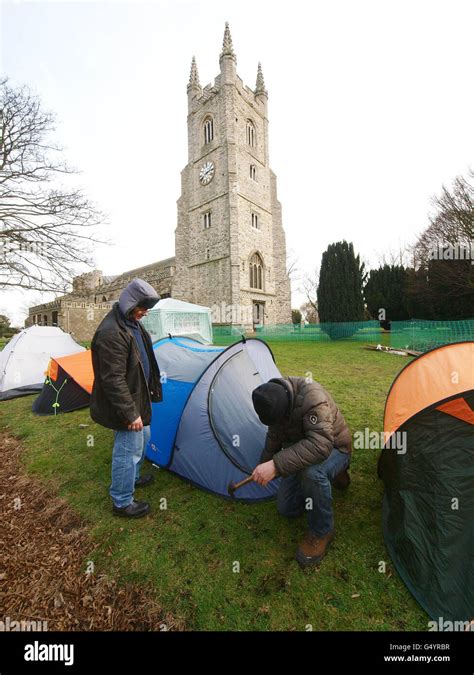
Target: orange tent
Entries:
(68, 384)
(433, 377)
(427, 466)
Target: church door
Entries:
(258, 314)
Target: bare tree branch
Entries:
(443, 274)
(46, 231)
(292, 263)
(452, 224)
(310, 284)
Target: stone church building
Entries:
(230, 250)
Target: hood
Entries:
(138, 292)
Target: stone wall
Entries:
(159, 275)
(85, 284)
(82, 318)
(81, 311)
(79, 318)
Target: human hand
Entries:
(264, 473)
(137, 425)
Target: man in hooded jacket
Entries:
(309, 445)
(126, 382)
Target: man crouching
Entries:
(126, 382)
(309, 444)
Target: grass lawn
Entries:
(189, 550)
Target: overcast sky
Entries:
(370, 108)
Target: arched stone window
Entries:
(256, 272)
(253, 172)
(251, 134)
(208, 130)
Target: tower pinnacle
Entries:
(227, 46)
(194, 76)
(260, 84)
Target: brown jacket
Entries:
(308, 436)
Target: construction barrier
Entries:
(417, 334)
(423, 335)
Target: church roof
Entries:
(159, 263)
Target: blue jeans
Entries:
(310, 490)
(127, 460)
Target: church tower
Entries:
(230, 243)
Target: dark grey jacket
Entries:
(314, 427)
(120, 392)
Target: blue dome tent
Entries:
(205, 429)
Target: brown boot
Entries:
(342, 480)
(313, 549)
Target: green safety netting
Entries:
(319, 332)
(420, 335)
(227, 335)
(423, 335)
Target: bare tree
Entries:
(33, 299)
(452, 224)
(450, 238)
(292, 262)
(310, 289)
(393, 258)
(441, 285)
(46, 230)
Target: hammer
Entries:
(232, 487)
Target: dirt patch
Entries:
(44, 545)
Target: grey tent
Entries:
(25, 358)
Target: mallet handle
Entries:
(236, 486)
